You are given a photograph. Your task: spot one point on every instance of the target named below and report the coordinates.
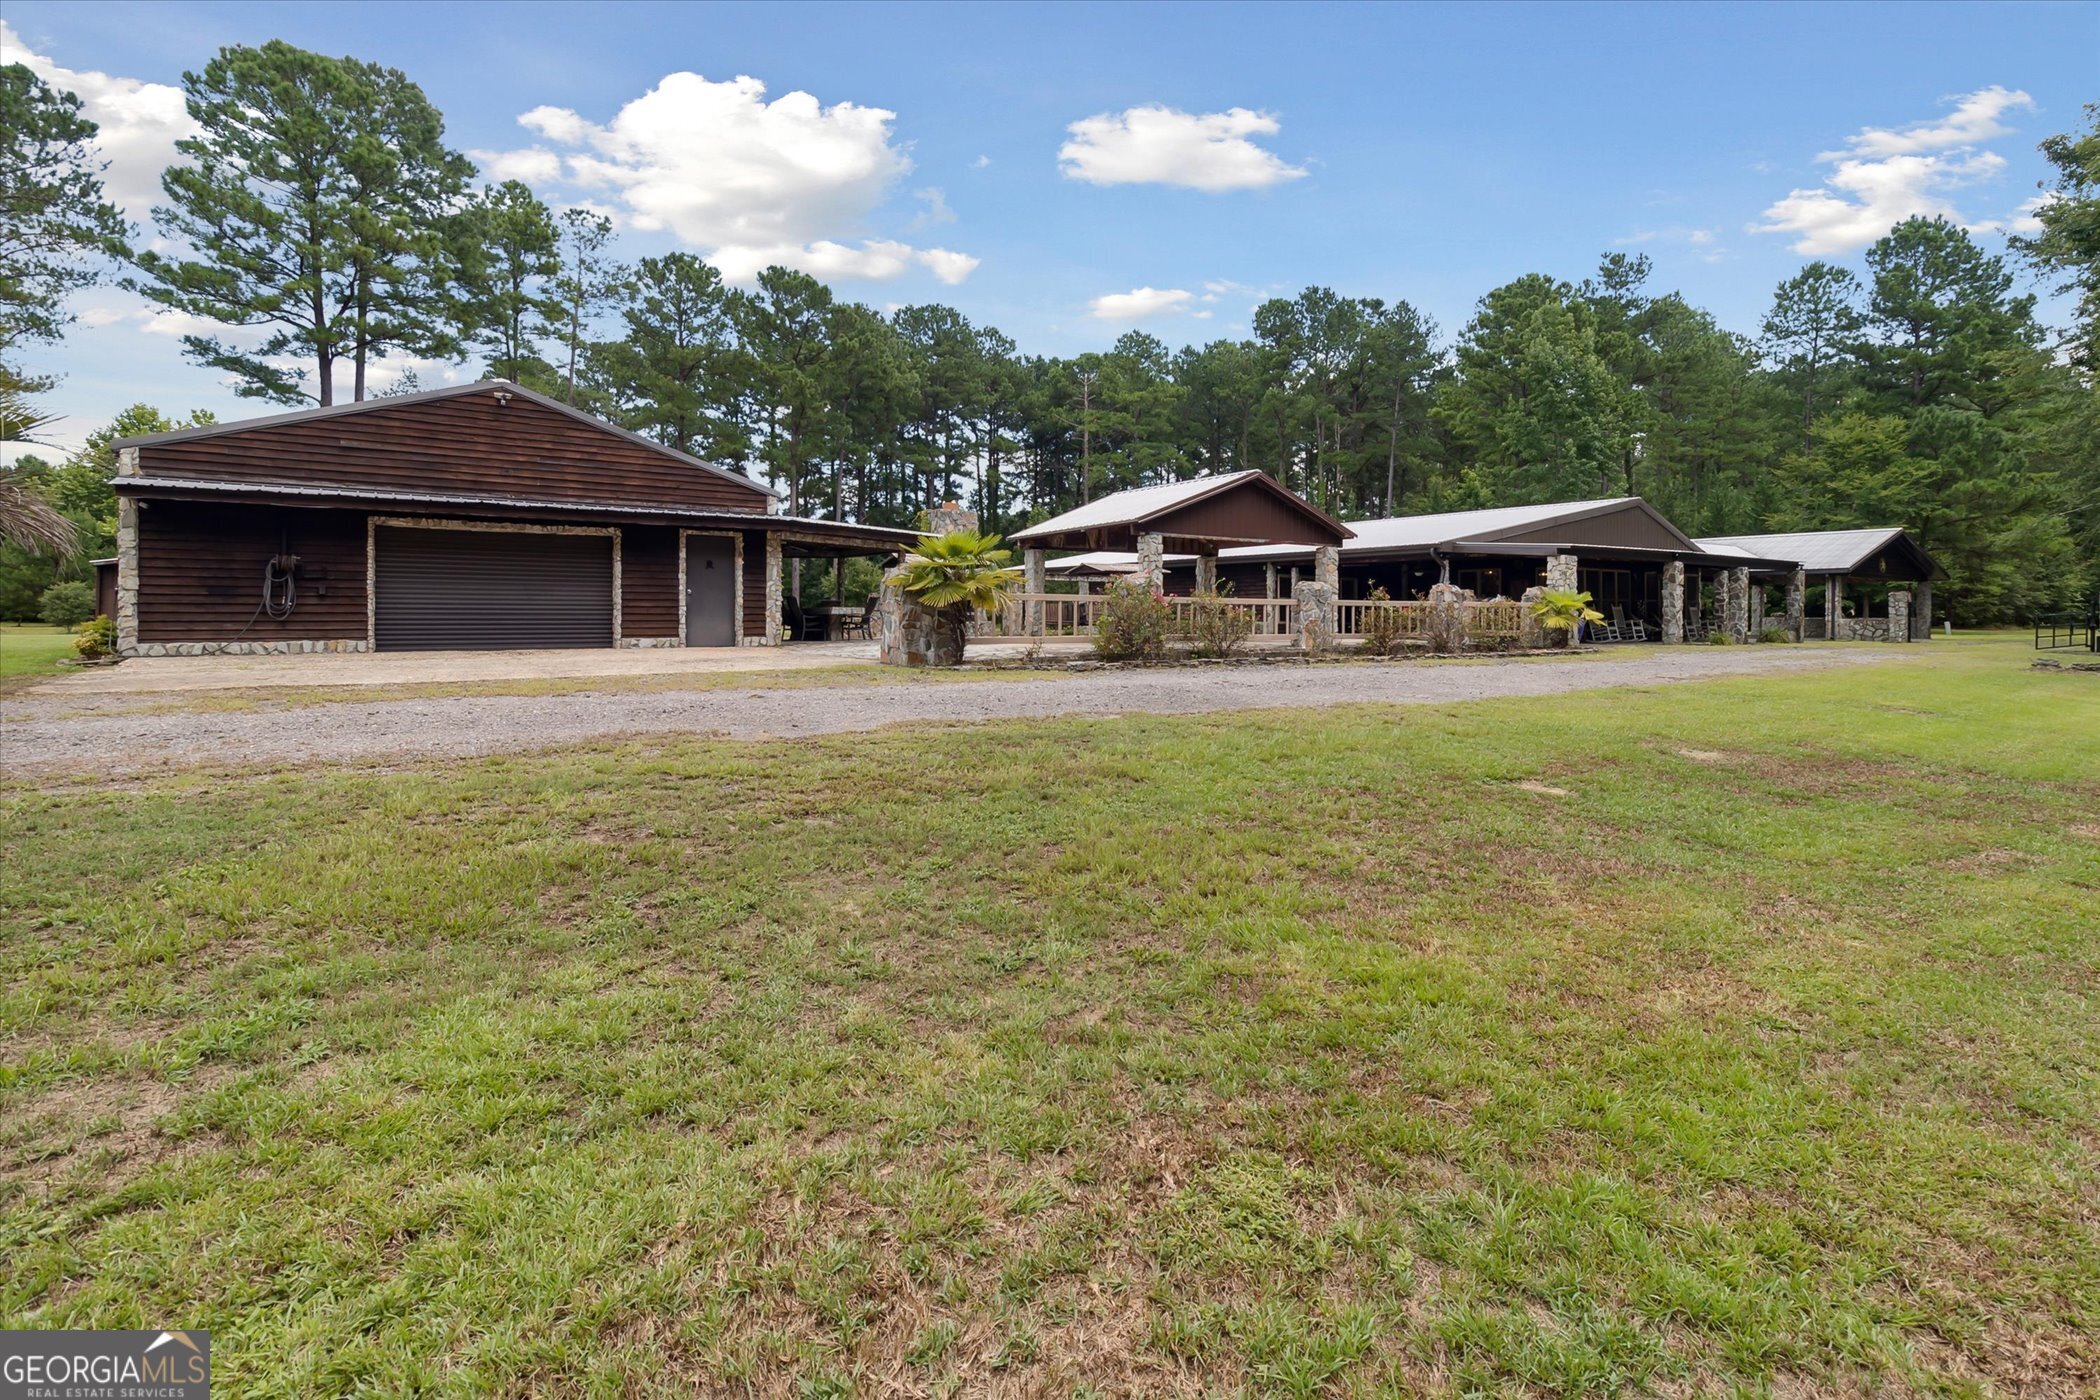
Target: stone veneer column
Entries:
(949, 517)
(772, 637)
(1032, 582)
(1673, 602)
(1562, 572)
(1921, 614)
(1207, 571)
(1833, 606)
(127, 618)
(1313, 602)
(1738, 603)
(1797, 604)
(1757, 609)
(1327, 567)
(1151, 561)
(1268, 580)
(1899, 615)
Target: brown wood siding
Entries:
(201, 572)
(754, 584)
(1628, 526)
(1246, 513)
(648, 582)
(468, 445)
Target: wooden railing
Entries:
(1064, 615)
(1351, 615)
(1272, 617)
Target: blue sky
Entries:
(1067, 172)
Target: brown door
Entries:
(710, 591)
(490, 590)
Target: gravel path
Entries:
(37, 743)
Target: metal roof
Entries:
(1128, 507)
(453, 391)
(1421, 531)
(1819, 551)
(1141, 506)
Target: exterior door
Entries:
(710, 591)
(490, 590)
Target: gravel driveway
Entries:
(37, 742)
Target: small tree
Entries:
(1216, 628)
(1133, 622)
(955, 575)
(67, 604)
(1562, 611)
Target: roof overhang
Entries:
(814, 532)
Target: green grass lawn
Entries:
(1733, 1037)
(30, 651)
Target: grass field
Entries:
(1733, 1037)
(31, 651)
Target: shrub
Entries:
(1383, 627)
(1132, 622)
(67, 604)
(955, 576)
(1719, 638)
(1215, 627)
(1775, 634)
(97, 639)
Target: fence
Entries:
(1272, 617)
(2066, 632)
(1351, 616)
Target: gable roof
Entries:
(1827, 551)
(1139, 509)
(1400, 532)
(451, 391)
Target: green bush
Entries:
(97, 639)
(67, 604)
(1775, 634)
(1383, 627)
(1132, 623)
(1719, 638)
(1216, 628)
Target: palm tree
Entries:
(955, 575)
(25, 520)
(1564, 611)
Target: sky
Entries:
(1069, 172)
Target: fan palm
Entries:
(1560, 610)
(955, 575)
(25, 520)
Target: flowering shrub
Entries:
(1132, 622)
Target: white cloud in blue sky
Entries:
(1884, 175)
(747, 181)
(1214, 152)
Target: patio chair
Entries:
(1629, 629)
(862, 629)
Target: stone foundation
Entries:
(648, 643)
(299, 648)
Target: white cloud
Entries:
(140, 123)
(1886, 175)
(535, 165)
(1140, 304)
(980, 163)
(936, 210)
(749, 182)
(949, 266)
(1975, 119)
(1159, 145)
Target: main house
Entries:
(479, 517)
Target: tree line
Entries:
(319, 217)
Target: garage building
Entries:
(472, 518)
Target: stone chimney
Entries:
(950, 517)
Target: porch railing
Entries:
(1271, 617)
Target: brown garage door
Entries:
(490, 590)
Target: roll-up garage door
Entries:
(490, 590)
